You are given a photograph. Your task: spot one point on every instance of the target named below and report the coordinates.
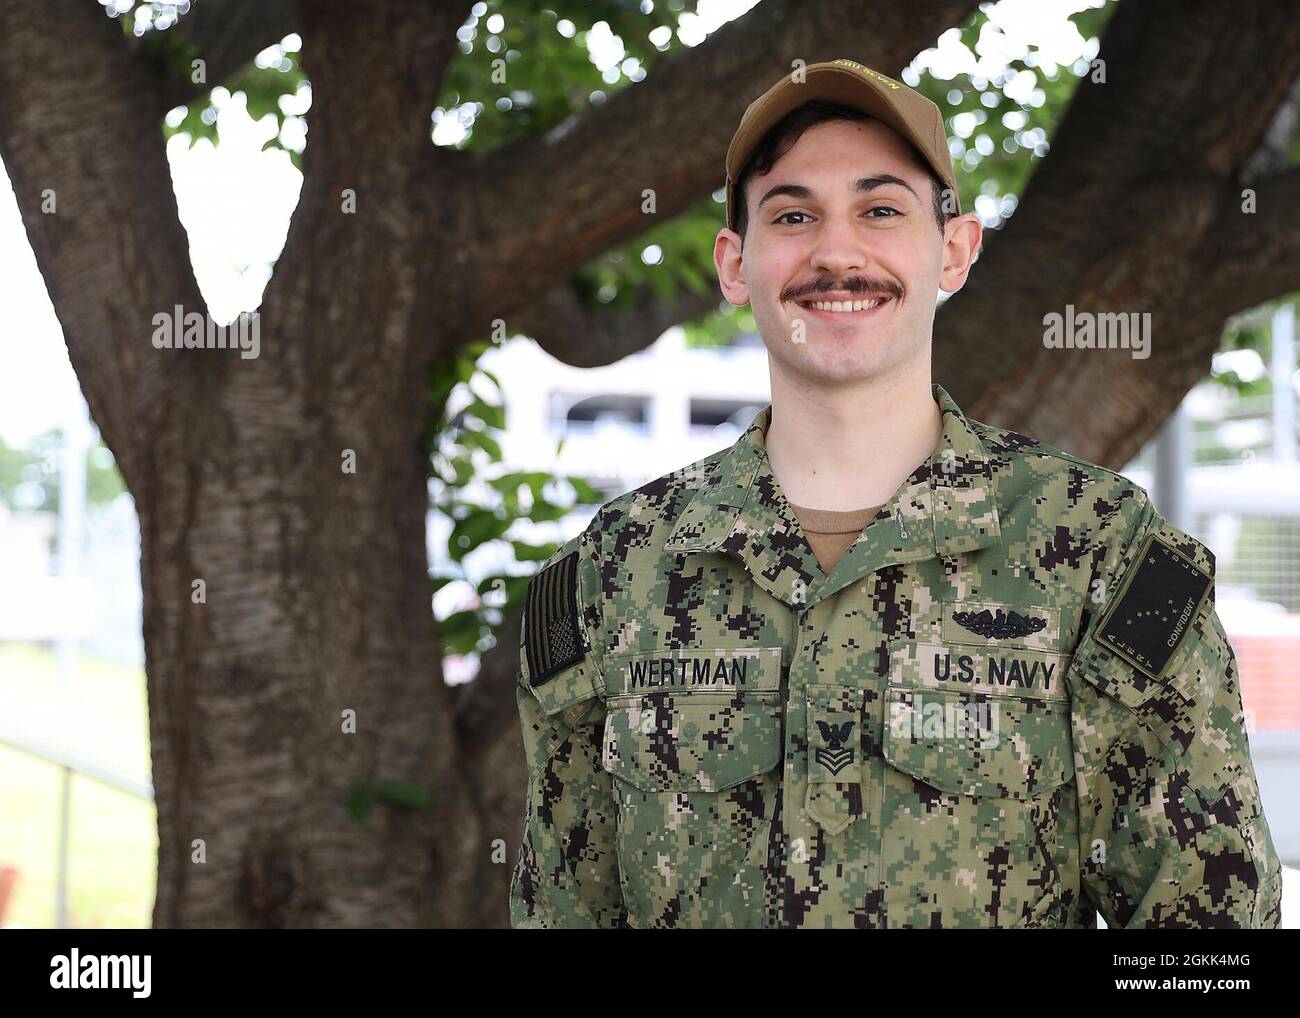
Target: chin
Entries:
(841, 373)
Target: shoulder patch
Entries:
(1160, 596)
(553, 637)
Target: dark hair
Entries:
(782, 135)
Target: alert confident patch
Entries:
(1160, 597)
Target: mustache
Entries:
(859, 287)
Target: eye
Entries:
(792, 213)
(883, 208)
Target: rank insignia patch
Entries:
(1155, 608)
(552, 630)
(834, 756)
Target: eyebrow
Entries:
(861, 186)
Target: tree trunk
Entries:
(318, 597)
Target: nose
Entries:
(840, 248)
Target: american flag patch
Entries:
(552, 632)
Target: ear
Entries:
(962, 238)
(729, 263)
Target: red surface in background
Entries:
(1270, 685)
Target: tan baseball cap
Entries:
(844, 81)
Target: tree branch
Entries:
(81, 137)
(227, 34)
(379, 65)
(1127, 215)
(1256, 256)
(572, 332)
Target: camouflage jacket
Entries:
(1010, 703)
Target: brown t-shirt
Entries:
(831, 531)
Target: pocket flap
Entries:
(691, 742)
(976, 744)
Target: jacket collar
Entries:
(948, 505)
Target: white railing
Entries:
(71, 762)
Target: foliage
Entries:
(1252, 330)
(273, 84)
(482, 502)
(266, 91)
(366, 792)
(30, 479)
(998, 155)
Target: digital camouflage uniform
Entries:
(1010, 703)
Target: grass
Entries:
(112, 853)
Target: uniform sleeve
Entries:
(567, 871)
(1171, 827)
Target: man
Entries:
(877, 664)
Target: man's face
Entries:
(845, 215)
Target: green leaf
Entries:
(404, 793)
(460, 631)
(478, 526)
(482, 440)
(492, 416)
(525, 552)
(584, 490)
(548, 512)
(361, 800)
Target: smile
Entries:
(842, 307)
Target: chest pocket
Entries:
(978, 816)
(979, 717)
(692, 740)
(978, 704)
(980, 745)
(693, 721)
